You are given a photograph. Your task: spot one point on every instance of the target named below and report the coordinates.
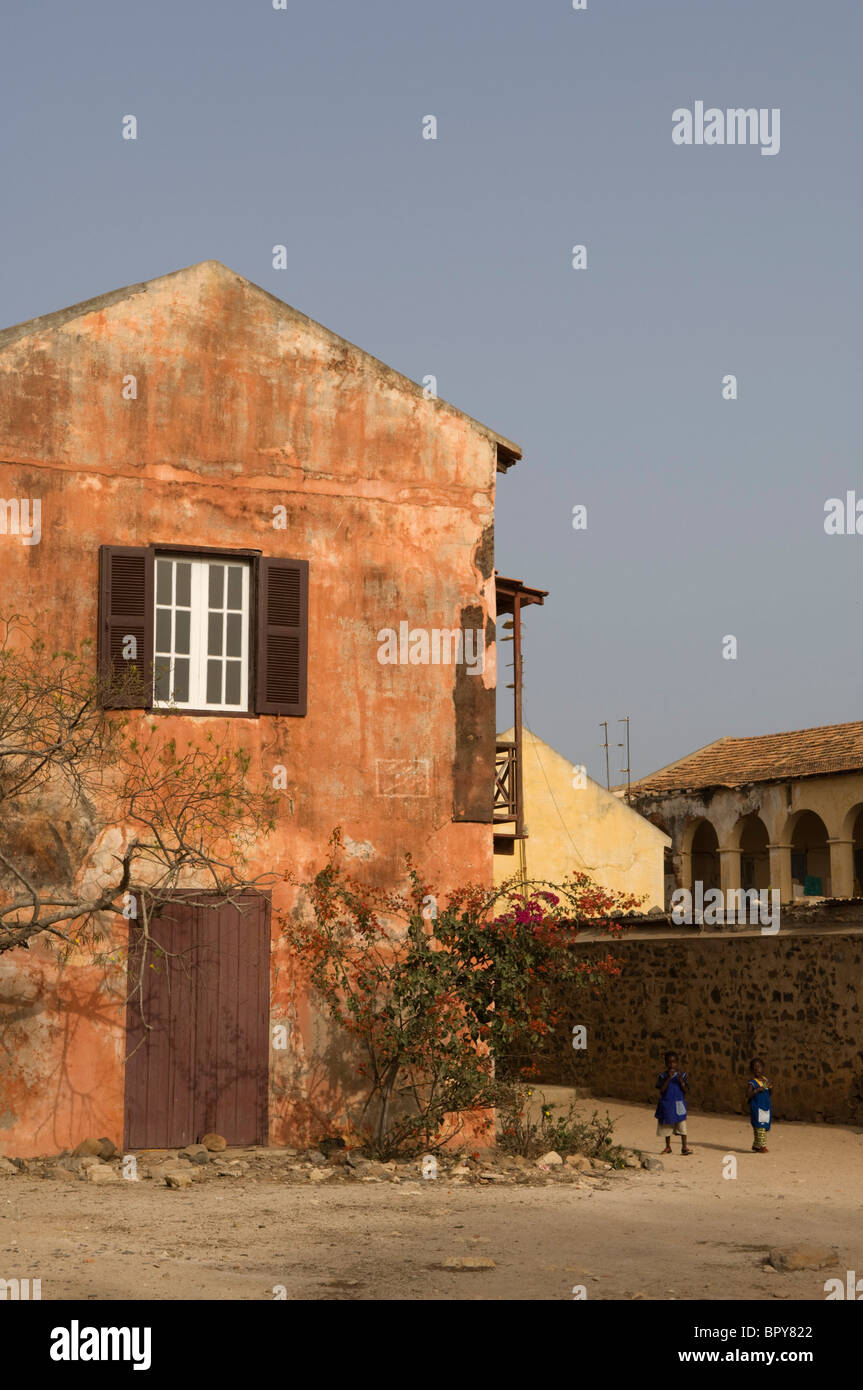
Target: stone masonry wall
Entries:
(795, 1000)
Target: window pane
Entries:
(217, 586)
(234, 645)
(184, 584)
(214, 682)
(181, 680)
(182, 619)
(163, 629)
(163, 581)
(219, 633)
(235, 587)
(214, 635)
(162, 688)
(233, 670)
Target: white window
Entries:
(201, 647)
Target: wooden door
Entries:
(202, 1064)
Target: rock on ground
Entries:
(178, 1179)
(101, 1172)
(86, 1147)
(791, 1257)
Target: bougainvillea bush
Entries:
(436, 994)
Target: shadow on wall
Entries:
(61, 1033)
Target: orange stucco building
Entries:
(197, 426)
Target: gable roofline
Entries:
(532, 740)
(507, 452)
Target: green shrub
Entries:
(565, 1134)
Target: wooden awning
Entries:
(508, 589)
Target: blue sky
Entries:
(453, 257)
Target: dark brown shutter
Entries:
(283, 636)
(126, 610)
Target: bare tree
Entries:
(149, 819)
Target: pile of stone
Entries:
(98, 1161)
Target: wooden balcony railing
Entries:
(506, 806)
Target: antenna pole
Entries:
(603, 724)
(628, 768)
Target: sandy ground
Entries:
(685, 1233)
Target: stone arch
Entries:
(689, 831)
(810, 854)
(852, 831)
(752, 839)
(704, 855)
(851, 821)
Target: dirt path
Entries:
(684, 1233)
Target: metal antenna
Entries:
(603, 724)
(626, 769)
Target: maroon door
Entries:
(202, 1064)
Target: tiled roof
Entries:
(733, 762)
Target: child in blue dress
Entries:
(672, 1085)
(760, 1101)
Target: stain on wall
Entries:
(474, 703)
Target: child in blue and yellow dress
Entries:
(759, 1098)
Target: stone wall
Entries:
(794, 999)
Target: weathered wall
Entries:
(584, 829)
(836, 798)
(242, 405)
(795, 1000)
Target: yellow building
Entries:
(572, 824)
